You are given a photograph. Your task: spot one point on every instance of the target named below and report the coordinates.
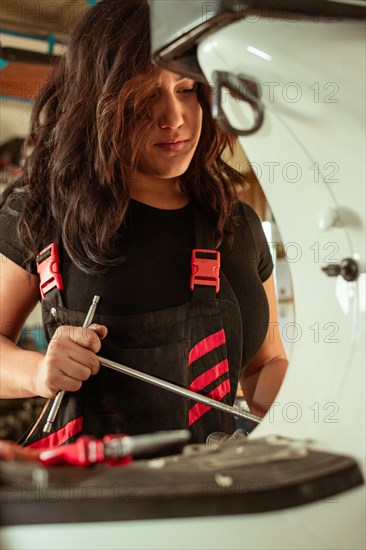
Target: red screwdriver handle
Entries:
(83, 452)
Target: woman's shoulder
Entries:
(246, 218)
(13, 200)
(246, 211)
(248, 243)
(12, 203)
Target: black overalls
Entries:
(197, 345)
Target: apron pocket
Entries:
(135, 406)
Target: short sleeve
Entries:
(9, 241)
(263, 254)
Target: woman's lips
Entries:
(173, 145)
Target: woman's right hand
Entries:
(70, 359)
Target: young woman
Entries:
(123, 172)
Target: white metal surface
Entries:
(310, 156)
(310, 159)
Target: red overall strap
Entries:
(48, 261)
(205, 262)
(207, 361)
(72, 428)
(65, 428)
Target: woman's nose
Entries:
(170, 113)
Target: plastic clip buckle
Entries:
(47, 267)
(205, 266)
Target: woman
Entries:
(123, 172)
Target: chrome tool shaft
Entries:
(234, 411)
(59, 397)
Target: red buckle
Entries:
(47, 266)
(205, 268)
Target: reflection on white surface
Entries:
(209, 46)
(259, 53)
(362, 291)
(345, 293)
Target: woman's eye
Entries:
(189, 90)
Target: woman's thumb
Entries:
(101, 330)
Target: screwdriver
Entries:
(59, 397)
(112, 448)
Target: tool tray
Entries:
(232, 477)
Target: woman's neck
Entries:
(159, 193)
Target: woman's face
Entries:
(177, 122)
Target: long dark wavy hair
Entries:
(86, 129)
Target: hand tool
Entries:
(59, 397)
(113, 449)
(235, 411)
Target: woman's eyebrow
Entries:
(180, 77)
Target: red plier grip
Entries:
(84, 452)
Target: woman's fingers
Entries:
(70, 359)
(89, 338)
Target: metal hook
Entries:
(244, 88)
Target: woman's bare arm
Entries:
(263, 376)
(71, 354)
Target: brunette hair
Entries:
(86, 128)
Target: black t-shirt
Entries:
(155, 274)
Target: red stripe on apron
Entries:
(57, 438)
(199, 409)
(206, 345)
(209, 376)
